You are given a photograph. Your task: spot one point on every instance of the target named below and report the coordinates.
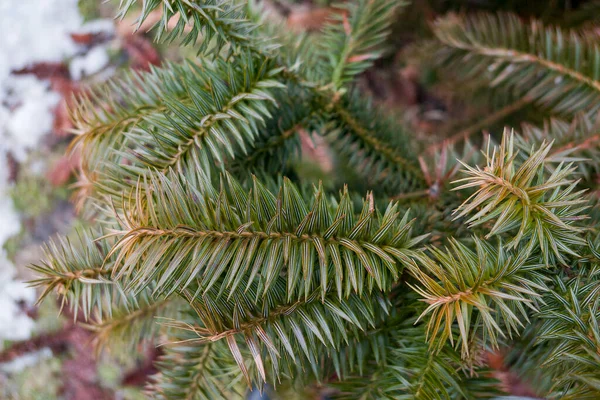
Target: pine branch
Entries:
(210, 25)
(485, 291)
(108, 110)
(559, 70)
(570, 327)
(299, 52)
(207, 111)
(233, 96)
(279, 140)
(354, 38)
(371, 139)
(439, 169)
(362, 348)
(411, 371)
(104, 114)
(118, 102)
(264, 282)
(193, 228)
(167, 131)
(133, 322)
(356, 129)
(577, 141)
(392, 361)
(351, 40)
(282, 337)
(375, 146)
(524, 358)
(519, 195)
(204, 372)
(76, 269)
(80, 271)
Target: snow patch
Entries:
(92, 62)
(32, 31)
(23, 124)
(35, 31)
(27, 360)
(106, 26)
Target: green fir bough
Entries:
(249, 277)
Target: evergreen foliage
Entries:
(557, 69)
(252, 278)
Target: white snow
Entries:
(92, 62)
(31, 117)
(32, 31)
(14, 323)
(36, 31)
(27, 360)
(106, 26)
